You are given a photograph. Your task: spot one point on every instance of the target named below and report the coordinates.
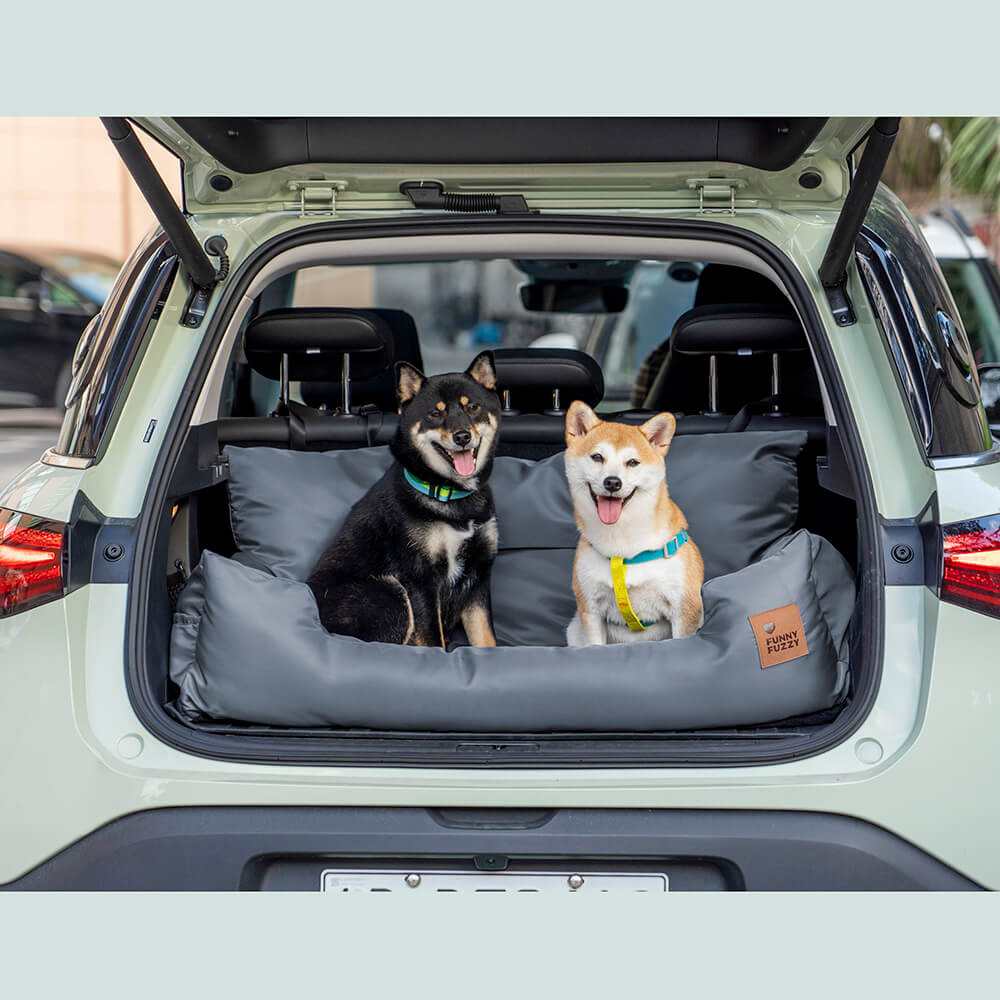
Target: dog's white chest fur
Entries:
(655, 590)
(444, 540)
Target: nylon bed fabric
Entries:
(287, 506)
(248, 646)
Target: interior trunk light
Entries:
(971, 575)
(31, 561)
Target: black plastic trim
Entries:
(911, 548)
(254, 145)
(91, 534)
(768, 745)
(226, 848)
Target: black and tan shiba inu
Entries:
(413, 559)
(637, 573)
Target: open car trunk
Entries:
(227, 657)
(234, 662)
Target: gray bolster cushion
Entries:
(739, 493)
(248, 646)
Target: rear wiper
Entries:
(431, 194)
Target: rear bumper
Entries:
(226, 848)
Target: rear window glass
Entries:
(460, 307)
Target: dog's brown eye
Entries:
(597, 457)
(632, 463)
(434, 415)
(473, 408)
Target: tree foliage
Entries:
(975, 159)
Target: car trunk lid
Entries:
(326, 165)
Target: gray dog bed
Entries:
(247, 644)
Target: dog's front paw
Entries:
(577, 634)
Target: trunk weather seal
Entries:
(306, 750)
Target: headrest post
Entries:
(542, 380)
(556, 410)
(345, 383)
(775, 382)
(713, 384)
(284, 380)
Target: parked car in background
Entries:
(971, 275)
(47, 297)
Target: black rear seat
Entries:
(537, 385)
(318, 346)
(378, 390)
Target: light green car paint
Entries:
(921, 765)
(44, 490)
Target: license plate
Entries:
(435, 880)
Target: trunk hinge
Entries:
(833, 268)
(317, 197)
(716, 195)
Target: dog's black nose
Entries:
(461, 438)
(612, 484)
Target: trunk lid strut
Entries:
(833, 268)
(200, 268)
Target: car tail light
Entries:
(971, 574)
(31, 561)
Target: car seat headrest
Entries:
(726, 283)
(315, 341)
(539, 379)
(745, 328)
(378, 389)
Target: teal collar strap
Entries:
(618, 565)
(670, 549)
(435, 492)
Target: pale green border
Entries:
(518, 57)
(694, 945)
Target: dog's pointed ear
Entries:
(580, 421)
(408, 381)
(484, 370)
(659, 431)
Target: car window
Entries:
(16, 279)
(924, 331)
(658, 295)
(110, 344)
(970, 282)
(90, 277)
(65, 299)
(460, 307)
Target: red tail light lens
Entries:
(31, 561)
(971, 574)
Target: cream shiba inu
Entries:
(637, 574)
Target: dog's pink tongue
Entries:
(465, 462)
(609, 509)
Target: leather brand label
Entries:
(780, 635)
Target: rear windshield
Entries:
(460, 307)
